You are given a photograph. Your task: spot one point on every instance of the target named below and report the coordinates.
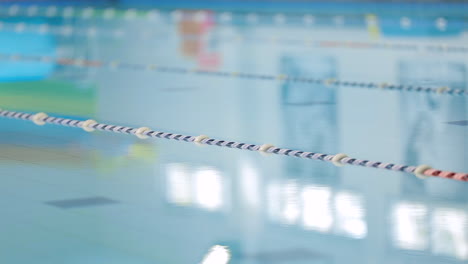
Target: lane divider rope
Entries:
(331, 82)
(421, 171)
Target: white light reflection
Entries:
(217, 255)
(20, 27)
(208, 188)
(178, 184)
(290, 212)
(250, 186)
(316, 211)
(405, 23)
(202, 187)
(350, 215)
(273, 198)
(450, 232)
(410, 229)
(441, 23)
(317, 208)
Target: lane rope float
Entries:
(421, 171)
(330, 82)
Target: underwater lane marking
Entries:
(459, 123)
(81, 202)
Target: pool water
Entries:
(258, 77)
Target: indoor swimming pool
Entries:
(290, 134)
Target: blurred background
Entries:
(73, 197)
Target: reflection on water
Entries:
(317, 208)
(179, 188)
(290, 206)
(217, 255)
(350, 215)
(72, 149)
(202, 187)
(317, 213)
(250, 184)
(450, 232)
(410, 226)
(208, 188)
(274, 209)
(425, 227)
